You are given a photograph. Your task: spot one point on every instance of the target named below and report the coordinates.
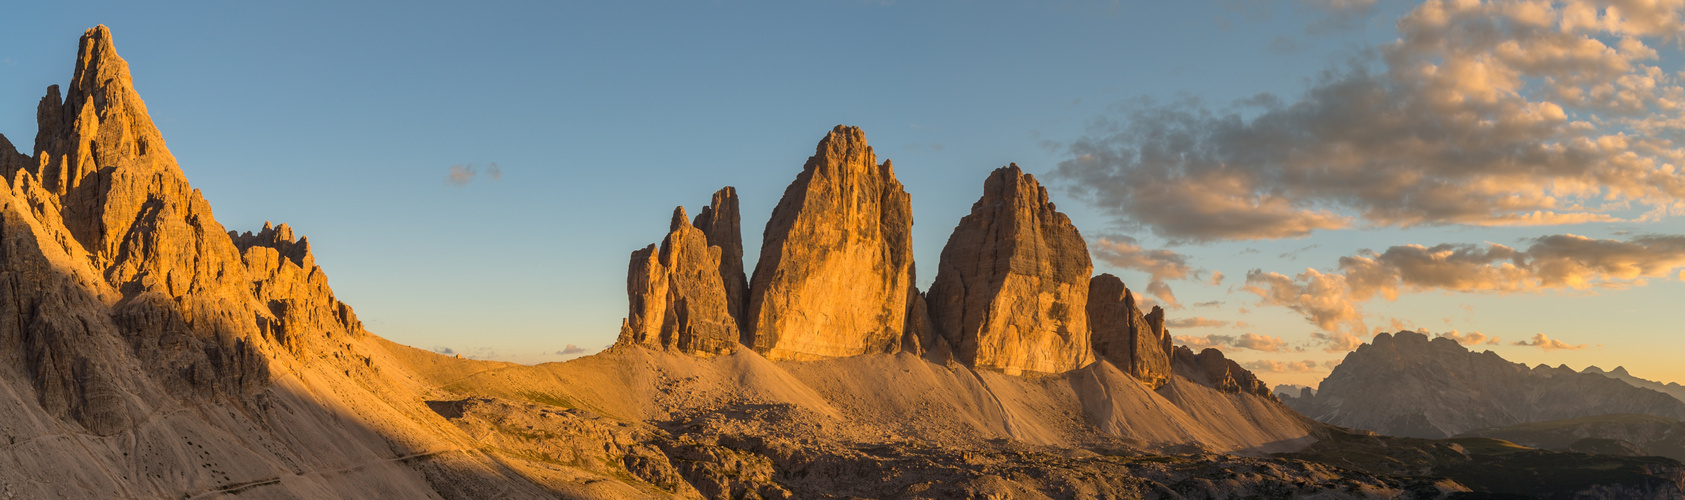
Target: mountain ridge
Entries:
(1405, 384)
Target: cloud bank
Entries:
(1480, 114)
(1551, 263)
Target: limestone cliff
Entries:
(286, 279)
(1134, 342)
(836, 268)
(1011, 291)
(720, 222)
(677, 298)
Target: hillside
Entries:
(1619, 433)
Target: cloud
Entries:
(1548, 344)
(1196, 322)
(461, 175)
(1124, 252)
(444, 350)
(1216, 278)
(1551, 263)
(1215, 303)
(1478, 114)
(1337, 341)
(1261, 343)
(1321, 298)
(1472, 338)
(1272, 366)
(570, 349)
(1564, 261)
(1206, 342)
(1251, 341)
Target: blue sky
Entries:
(344, 122)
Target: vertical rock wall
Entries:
(1011, 291)
(836, 268)
(677, 299)
(1134, 342)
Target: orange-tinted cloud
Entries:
(1470, 338)
(1251, 341)
(1196, 322)
(1549, 344)
(1480, 113)
(1124, 252)
(1272, 366)
(1556, 262)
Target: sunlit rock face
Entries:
(112, 259)
(836, 268)
(1133, 342)
(1011, 291)
(678, 300)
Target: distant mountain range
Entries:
(1620, 373)
(1405, 384)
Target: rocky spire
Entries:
(720, 222)
(138, 259)
(1134, 342)
(836, 269)
(676, 297)
(1011, 290)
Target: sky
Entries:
(1287, 178)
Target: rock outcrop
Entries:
(678, 300)
(720, 221)
(1011, 291)
(1404, 384)
(286, 279)
(835, 274)
(1211, 368)
(1133, 342)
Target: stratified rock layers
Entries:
(836, 269)
(1133, 342)
(677, 298)
(1011, 291)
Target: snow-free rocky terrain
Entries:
(152, 353)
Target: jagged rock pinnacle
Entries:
(836, 269)
(1011, 291)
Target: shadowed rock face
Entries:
(1125, 336)
(1211, 368)
(678, 300)
(836, 269)
(1011, 291)
(1406, 384)
(720, 222)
